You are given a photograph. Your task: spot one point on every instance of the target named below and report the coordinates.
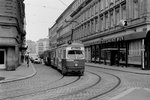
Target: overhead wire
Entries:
(63, 3)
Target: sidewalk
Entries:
(131, 93)
(21, 72)
(123, 69)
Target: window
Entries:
(135, 9)
(123, 16)
(117, 15)
(111, 2)
(2, 57)
(75, 52)
(88, 28)
(96, 24)
(135, 48)
(102, 23)
(64, 54)
(96, 7)
(106, 21)
(102, 5)
(92, 26)
(107, 3)
(111, 18)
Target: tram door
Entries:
(2, 59)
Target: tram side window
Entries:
(64, 54)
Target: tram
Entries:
(68, 58)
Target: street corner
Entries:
(22, 72)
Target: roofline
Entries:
(65, 10)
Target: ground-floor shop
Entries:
(9, 57)
(10, 45)
(127, 50)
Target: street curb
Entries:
(21, 78)
(97, 66)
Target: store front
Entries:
(114, 52)
(126, 50)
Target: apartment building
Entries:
(114, 32)
(42, 45)
(53, 37)
(31, 46)
(12, 33)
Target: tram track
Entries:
(111, 89)
(59, 90)
(88, 89)
(76, 92)
(43, 90)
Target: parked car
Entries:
(37, 61)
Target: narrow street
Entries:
(96, 84)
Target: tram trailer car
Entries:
(69, 58)
(46, 57)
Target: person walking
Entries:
(27, 60)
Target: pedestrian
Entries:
(27, 60)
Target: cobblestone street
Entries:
(96, 84)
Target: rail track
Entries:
(92, 85)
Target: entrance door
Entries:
(2, 59)
(114, 58)
(147, 51)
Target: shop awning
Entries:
(137, 35)
(132, 36)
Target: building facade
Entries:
(42, 45)
(12, 33)
(31, 46)
(52, 37)
(114, 32)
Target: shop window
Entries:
(2, 57)
(135, 48)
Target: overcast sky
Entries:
(41, 15)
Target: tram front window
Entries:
(75, 54)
